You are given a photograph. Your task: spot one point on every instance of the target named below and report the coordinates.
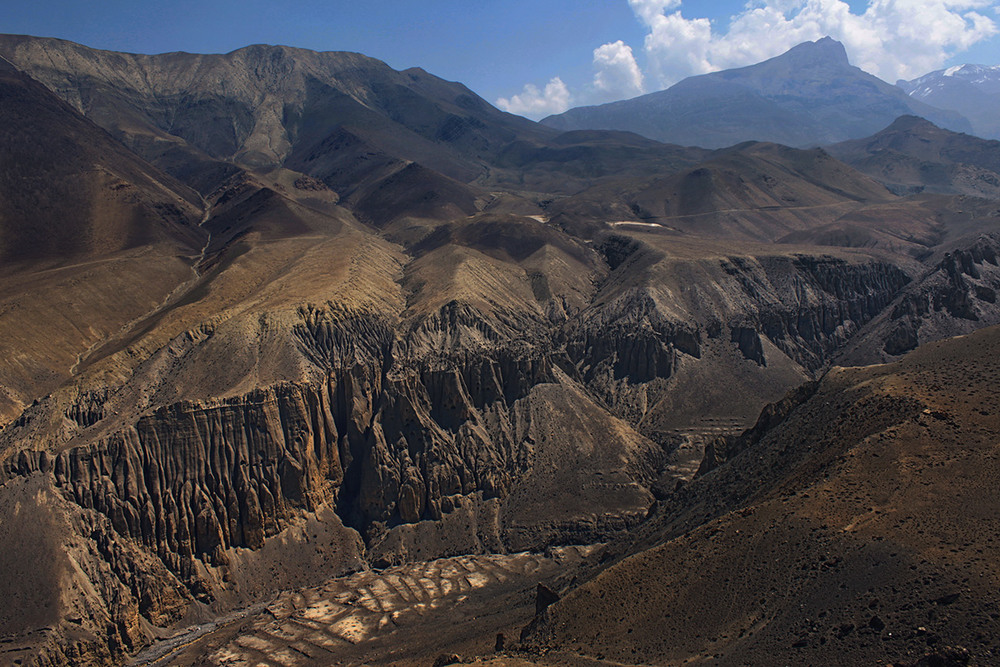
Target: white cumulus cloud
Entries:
(617, 73)
(537, 103)
(648, 10)
(892, 38)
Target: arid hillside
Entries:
(291, 336)
(858, 529)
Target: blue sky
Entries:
(494, 47)
(539, 56)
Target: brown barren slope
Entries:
(750, 192)
(90, 238)
(914, 155)
(862, 529)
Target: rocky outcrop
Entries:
(334, 337)
(88, 409)
(633, 339)
(441, 433)
(748, 342)
(631, 347)
(174, 502)
(961, 287)
(191, 480)
(194, 479)
(385, 442)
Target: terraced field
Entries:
(394, 616)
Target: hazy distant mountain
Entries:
(972, 90)
(914, 155)
(750, 192)
(807, 96)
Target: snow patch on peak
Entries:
(952, 71)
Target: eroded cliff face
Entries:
(962, 286)
(454, 432)
(385, 444)
(821, 525)
(732, 324)
(418, 457)
(956, 295)
(831, 300)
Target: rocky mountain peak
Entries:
(807, 96)
(826, 51)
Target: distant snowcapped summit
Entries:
(984, 77)
(975, 73)
(972, 90)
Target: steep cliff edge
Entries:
(956, 295)
(689, 340)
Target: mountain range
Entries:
(808, 96)
(308, 360)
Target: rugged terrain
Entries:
(281, 325)
(857, 530)
(851, 525)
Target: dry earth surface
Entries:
(306, 360)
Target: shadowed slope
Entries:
(261, 104)
(90, 237)
(344, 118)
(70, 191)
